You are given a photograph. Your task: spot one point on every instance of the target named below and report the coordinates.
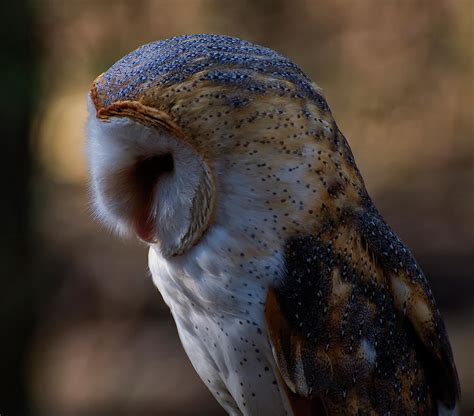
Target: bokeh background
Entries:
(83, 330)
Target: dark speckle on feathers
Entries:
(336, 299)
(222, 60)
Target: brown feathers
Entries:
(354, 323)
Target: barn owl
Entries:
(291, 295)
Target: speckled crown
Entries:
(219, 59)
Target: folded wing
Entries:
(354, 326)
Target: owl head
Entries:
(198, 130)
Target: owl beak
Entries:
(94, 93)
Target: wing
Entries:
(354, 327)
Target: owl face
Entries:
(245, 143)
(149, 182)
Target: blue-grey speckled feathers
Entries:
(224, 60)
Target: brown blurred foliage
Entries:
(91, 335)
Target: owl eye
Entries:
(148, 170)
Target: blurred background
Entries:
(83, 330)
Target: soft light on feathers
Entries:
(290, 293)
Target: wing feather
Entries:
(354, 324)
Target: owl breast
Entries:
(217, 302)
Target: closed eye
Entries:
(148, 170)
